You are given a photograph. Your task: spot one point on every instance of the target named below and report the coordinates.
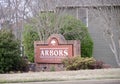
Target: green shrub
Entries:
(77, 63)
(52, 68)
(10, 59)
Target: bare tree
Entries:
(42, 13)
(110, 15)
(15, 12)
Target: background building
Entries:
(93, 13)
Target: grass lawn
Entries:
(61, 75)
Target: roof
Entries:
(52, 4)
(87, 3)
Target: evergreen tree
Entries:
(10, 59)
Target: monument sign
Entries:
(54, 50)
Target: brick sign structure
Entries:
(54, 50)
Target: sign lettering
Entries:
(51, 52)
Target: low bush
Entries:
(97, 65)
(77, 63)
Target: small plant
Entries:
(52, 68)
(99, 64)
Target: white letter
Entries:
(51, 52)
(66, 52)
(55, 52)
(60, 52)
(46, 52)
(42, 53)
